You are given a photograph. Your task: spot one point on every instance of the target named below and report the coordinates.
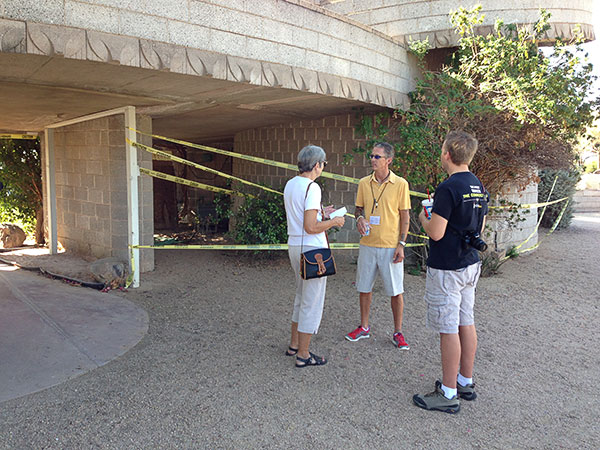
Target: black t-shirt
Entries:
(462, 201)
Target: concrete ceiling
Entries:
(37, 91)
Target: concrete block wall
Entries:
(91, 189)
(335, 134)
(501, 233)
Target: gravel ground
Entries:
(211, 371)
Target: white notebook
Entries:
(338, 212)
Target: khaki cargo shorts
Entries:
(450, 296)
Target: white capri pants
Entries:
(310, 295)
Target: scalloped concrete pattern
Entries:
(51, 332)
(193, 62)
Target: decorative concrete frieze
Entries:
(304, 79)
(350, 88)
(275, 75)
(201, 62)
(113, 49)
(448, 38)
(52, 40)
(160, 56)
(12, 36)
(324, 84)
(235, 69)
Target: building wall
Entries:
(91, 189)
(338, 137)
(503, 231)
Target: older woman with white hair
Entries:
(306, 231)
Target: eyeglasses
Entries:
(324, 163)
(376, 156)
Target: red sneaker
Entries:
(399, 341)
(358, 334)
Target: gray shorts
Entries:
(374, 259)
(450, 296)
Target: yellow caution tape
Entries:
(18, 136)
(338, 246)
(198, 166)
(533, 247)
(269, 162)
(195, 184)
(537, 226)
(283, 165)
(531, 205)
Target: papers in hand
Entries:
(338, 212)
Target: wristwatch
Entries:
(402, 243)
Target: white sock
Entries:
(464, 381)
(365, 329)
(448, 392)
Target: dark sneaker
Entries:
(466, 392)
(399, 341)
(358, 334)
(437, 401)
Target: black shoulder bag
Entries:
(316, 263)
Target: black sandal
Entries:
(312, 360)
(291, 351)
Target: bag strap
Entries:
(303, 211)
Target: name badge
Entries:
(374, 220)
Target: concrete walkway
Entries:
(51, 332)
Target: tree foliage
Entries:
(21, 177)
(526, 109)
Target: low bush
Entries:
(260, 219)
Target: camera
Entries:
(472, 239)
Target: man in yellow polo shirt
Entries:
(382, 219)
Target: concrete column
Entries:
(92, 189)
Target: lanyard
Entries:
(376, 201)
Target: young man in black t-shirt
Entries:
(453, 268)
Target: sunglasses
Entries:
(376, 156)
(324, 163)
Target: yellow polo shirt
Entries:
(391, 197)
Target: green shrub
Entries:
(565, 187)
(260, 220)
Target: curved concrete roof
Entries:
(291, 44)
(417, 19)
(203, 69)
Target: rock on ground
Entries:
(11, 235)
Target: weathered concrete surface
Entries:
(417, 20)
(193, 63)
(51, 332)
